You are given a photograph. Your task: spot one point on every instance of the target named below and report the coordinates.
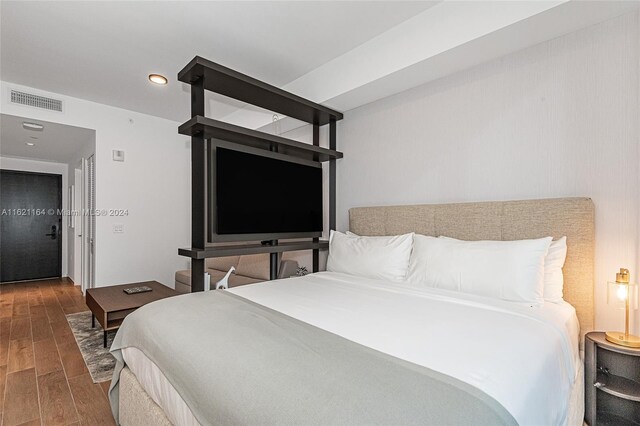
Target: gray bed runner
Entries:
(236, 362)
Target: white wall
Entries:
(153, 184)
(8, 163)
(557, 119)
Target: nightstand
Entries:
(612, 380)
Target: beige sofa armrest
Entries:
(287, 268)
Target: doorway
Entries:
(43, 147)
(30, 225)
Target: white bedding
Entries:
(525, 357)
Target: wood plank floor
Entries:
(43, 378)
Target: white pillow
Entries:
(384, 258)
(553, 263)
(423, 245)
(508, 270)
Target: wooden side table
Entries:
(612, 380)
(110, 305)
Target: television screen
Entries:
(257, 195)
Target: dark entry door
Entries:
(30, 222)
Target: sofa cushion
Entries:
(254, 266)
(234, 280)
(182, 288)
(222, 263)
(216, 276)
(238, 280)
(184, 277)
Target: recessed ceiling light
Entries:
(158, 79)
(32, 126)
(30, 144)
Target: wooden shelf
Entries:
(244, 249)
(210, 128)
(618, 386)
(114, 324)
(227, 82)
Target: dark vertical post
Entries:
(273, 257)
(198, 188)
(590, 366)
(332, 175)
(273, 262)
(316, 252)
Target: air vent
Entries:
(31, 100)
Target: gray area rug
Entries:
(99, 361)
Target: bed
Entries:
(521, 365)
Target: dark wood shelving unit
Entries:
(209, 128)
(231, 83)
(239, 249)
(203, 75)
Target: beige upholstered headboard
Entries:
(502, 220)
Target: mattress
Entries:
(403, 321)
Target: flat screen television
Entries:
(263, 196)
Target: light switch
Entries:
(118, 228)
(118, 155)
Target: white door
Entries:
(77, 228)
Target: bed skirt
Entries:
(138, 409)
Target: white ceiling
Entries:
(450, 36)
(56, 142)
(104, 51)
(341, 54)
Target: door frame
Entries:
(60, 207)
(77, 231)
(88, 227)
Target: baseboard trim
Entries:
(29, 281)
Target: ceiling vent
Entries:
(36, 101)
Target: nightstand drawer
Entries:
(618, 364)
(616, 411)
(612, 380)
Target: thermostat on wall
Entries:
(118, 155)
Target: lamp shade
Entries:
(619, 293)
(623, 294)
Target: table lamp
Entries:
(623, 291)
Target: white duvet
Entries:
(525, 357)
